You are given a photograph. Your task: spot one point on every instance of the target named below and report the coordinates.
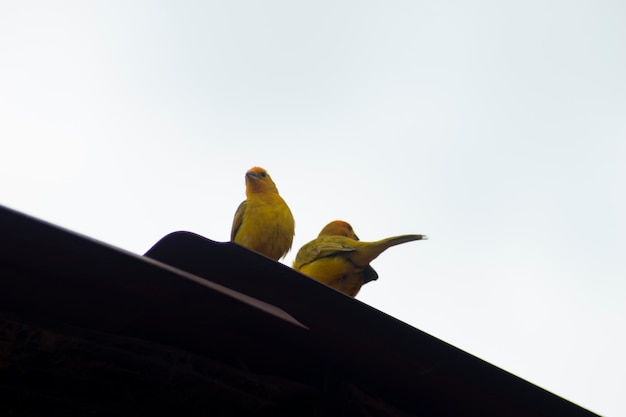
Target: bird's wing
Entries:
(237, 220)
(320, 248)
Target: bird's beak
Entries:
(251, 175)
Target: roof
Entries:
(222, 301)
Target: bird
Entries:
(263, 222)
(340, 260)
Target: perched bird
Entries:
(263, 221)
(340, 260)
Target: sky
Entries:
(496, 128)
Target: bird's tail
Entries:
(370, 251)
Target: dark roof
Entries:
(226, 303)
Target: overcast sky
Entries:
(497, 128)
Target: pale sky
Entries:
(497, 128)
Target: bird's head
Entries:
(258, 181)
(339, 228)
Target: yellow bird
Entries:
(263, 221)
(340, 260)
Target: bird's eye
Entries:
(263, 174)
